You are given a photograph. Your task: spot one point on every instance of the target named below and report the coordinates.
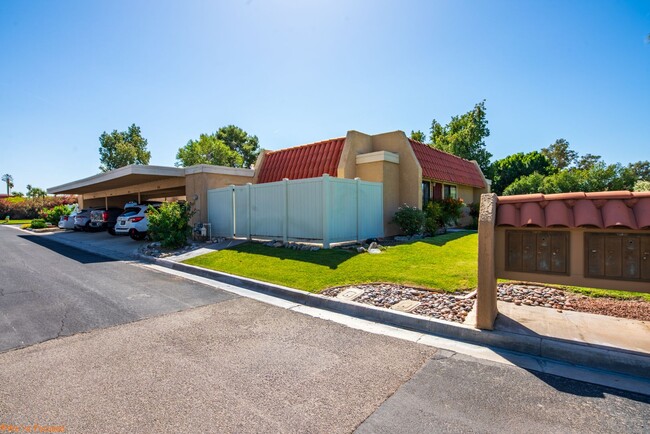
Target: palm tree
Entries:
(10, 182)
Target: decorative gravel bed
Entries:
(456, 306)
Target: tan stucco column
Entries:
(486, 296)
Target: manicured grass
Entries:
(15, 222)
(447, 262)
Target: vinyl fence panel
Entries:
(326, 210)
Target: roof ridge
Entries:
(439, 150)
(320, 142)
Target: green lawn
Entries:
(15, 222)
(446, 262)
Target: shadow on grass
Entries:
(441, 240)
(330, 258)
(67, 251)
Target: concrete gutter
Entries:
(575, 353)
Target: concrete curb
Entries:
(575, 353)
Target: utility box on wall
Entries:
(537, 251)
(617, 256)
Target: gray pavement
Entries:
(234, 364)
(49, 290)
(464, 394)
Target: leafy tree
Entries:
(242, 143)
(229, 146)
(207, 150)
(642, 186)
(9, 180)
(509, 169)
(17, 194)
(464, 136)
(121, 148)
(639, 170)
(560, 154)
(525, 185)
(588, 161)
(418, 136)
(34, 192)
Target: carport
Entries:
(142, 183)
(130, 183)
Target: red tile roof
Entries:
(441, 166)
(608, 209)
(307, 161)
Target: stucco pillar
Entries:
(486, 297)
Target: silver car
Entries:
(82, 220)
(67, 221)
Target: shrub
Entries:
(410, 219)
(53, 215)
(433, 218)
(170, 224)
(474, 211)
(38, 224)
(19, 208)
(440, 213)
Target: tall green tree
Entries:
(9, 180)
(35, 191)
(464, 136)
(639, 170)
(242, 143)
(229, 146)
(121, 148)
(208, 149)
(560, 154)
(418, 136)
(525, 185)
(588, 161)
(511, 168)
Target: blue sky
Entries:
(297, 72)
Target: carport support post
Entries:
(106, 202)
(486, 295)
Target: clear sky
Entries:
(295, 72)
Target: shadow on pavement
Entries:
(73, 253)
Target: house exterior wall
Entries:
(576, 258)
(356, 143)
(388, 174)
(198, 184)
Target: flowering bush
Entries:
(30, 208)
(410, 219)
(53, 215)
(170, 224)
(441, 213)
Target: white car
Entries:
(67, 221)
(133, 221)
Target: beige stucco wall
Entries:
(356, 143)
(388, 174)
(198, 184)
(576, 275)
(410, 172)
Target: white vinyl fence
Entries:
(325, 210)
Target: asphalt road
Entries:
(238, 365)
(48, 290)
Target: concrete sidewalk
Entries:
(585, 328)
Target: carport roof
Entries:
(122, 177)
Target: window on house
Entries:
(426, 193)
(450, 191)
